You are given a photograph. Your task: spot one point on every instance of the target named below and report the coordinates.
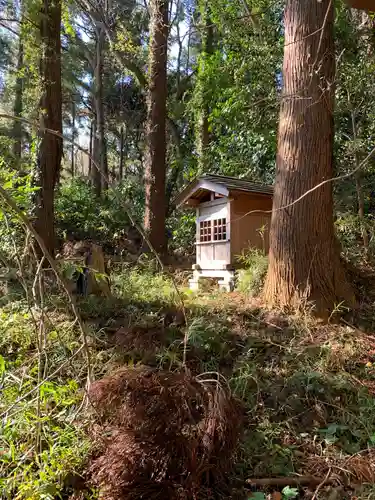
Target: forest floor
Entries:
(307, 389)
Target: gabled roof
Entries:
(222, 185)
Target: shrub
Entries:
(349, 231)
(80, 214)
(182, 229)
(251, 278)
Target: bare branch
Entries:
(48, 377)
(9, 200)
(13, 205)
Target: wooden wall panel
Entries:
(246, 227)
(362, 4)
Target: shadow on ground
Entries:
(307, 389)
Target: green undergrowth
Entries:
(41, 440)
(144, 284)
(306, 389)
(250, 279)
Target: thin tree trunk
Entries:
(95, 171)
(202, 133)
(360, 18)
(304, 257)
(187, 66)
(73, 136)
(155, 173)
(358, 183)
(18, 102)
(99, 108)
(122, 141)
(113, 173)
(361, 209)
(50, 149)
(175, 172)
(91, 147)
(180, 47)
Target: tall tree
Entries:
(235, 82)
(72, 165)
(202, 112)
(50, 148)
(155, 174)
(304, 258)
(100, 152)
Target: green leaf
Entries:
(289, 492)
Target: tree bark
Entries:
(99, 109)
(18, 102)
(177, 169)
(91, 147)
(50, 149)
(95, 167)
(180, 46)
(122, 153)
(155, 173)
(72, 168)
(304, 257)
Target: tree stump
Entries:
(97, 283)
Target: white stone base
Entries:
(226, 282)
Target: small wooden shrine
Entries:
(232, 215)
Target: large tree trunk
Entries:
(304, 258)
(18, 102)
(155, 174)
(50, 149)
(202, 125)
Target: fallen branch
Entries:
(288, 481)
(320, 486)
